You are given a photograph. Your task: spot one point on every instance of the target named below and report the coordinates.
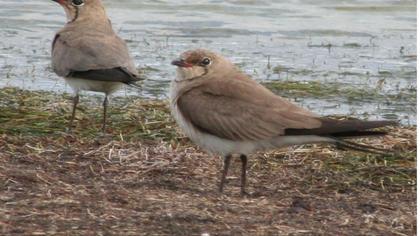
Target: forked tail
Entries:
(362, 148)
(340, 130)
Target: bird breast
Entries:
(208, 142)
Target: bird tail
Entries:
(135, 85)
(345, 144)
(344, 128)
(342, 142)
(341, 130)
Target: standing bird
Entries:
(88, 53)
(226, 112)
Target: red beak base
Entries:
(61, 2)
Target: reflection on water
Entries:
(358, 44)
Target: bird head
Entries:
(201, 64)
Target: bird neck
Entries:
(90, 17)
(87, 25)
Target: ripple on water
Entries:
(355, 44)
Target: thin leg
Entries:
(225, 172)
(73, 114)
(105, 104)
(244, 160)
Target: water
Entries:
(356, 44)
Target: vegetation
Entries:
(316, 89)
(146, 178)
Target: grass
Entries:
(332, 90)
(42, 113)
(146, 178)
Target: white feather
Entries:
(93, 85)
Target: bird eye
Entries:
(77, 3)
(205, 62)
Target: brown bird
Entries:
(88, 53)
(227, 113)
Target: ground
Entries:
(145, 178)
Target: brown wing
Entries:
(240, 109)
(93, 55)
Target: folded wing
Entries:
(242, 110)
(103, 58)
(250, 113)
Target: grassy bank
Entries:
(146, 178)
(315, 89)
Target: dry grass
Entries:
(146, 179)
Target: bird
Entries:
(227, 113)
(89, 55)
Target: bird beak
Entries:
(61, 2)
(181, 63)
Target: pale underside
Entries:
(93, 85)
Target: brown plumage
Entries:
(226, 112)
(264, 117)
(88, 53)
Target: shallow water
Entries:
(356, 44)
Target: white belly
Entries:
(225, 147)
(92, 85)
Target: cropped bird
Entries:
(227, 113)
(89, 54)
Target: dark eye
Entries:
(77, 3)
(205, 62)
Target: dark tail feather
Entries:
(359, 134)
(344, 128)
(134, 85)
(363, 148)
(348, 129)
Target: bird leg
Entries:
(105, 104)
(244, 160)
(227, 160)
(73, 114)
